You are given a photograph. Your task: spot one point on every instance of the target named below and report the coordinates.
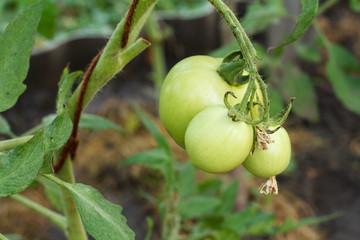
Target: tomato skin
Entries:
(192, 85)
(215, 143)
(274, 160)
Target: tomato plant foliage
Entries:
(23, 159)
(192, 99)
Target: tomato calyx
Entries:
(244, 112)
(233, 69)
(270, 186)
(278, 119)
(263, 130)
(263, 138)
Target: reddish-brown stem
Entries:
(127, 26)
(73, 142)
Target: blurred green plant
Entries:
(203, 210)
(67, 17)
(63, 18)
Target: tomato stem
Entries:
(246, 47)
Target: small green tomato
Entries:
(274, 160)
(215, 143)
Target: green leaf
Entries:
(47, 24)
(102, 219)
(47, 168)
(153, 129)
(298, 84)
(308, 52)
(12, 236)
(2, 237)
(250, 222)
(5, 127)
(308, 12)
(15, 48)
(289, 224)
(226, 234)
(57, 132)
(155, 159)
(227, 199)
(197, 206)
(224, 50)
(95, 122)
(262, 225)
(343, 72)
(261, 14)
(20, 166)
(52, 191)
(355, 5)
(210, 187)
(150, 224)
(65, 88)
(276, 101)
(186, 180)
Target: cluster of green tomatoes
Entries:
(193, 111)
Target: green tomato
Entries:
(192, 85)
(274, 160)
(215, 143)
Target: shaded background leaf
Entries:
(197, 206)
(308, 12)
(343, 72)
(156, 159)
(186, 179)
(276, 100)
(16, 45)
(298, 84)
(355, 5)
(96, 122)
(5, 127)
(268, 11)
(151, 127)
(308, 52)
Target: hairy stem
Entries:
(56, 218)
(75, 229)
(246, 47)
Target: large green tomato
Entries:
(274, 160)
(215, 143)
(192, 85)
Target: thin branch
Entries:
(56, 218)
(73, 142)
(325, 6)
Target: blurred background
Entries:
(321, 70)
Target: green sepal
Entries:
(240, 112)
(278, 119)
(232, 69)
